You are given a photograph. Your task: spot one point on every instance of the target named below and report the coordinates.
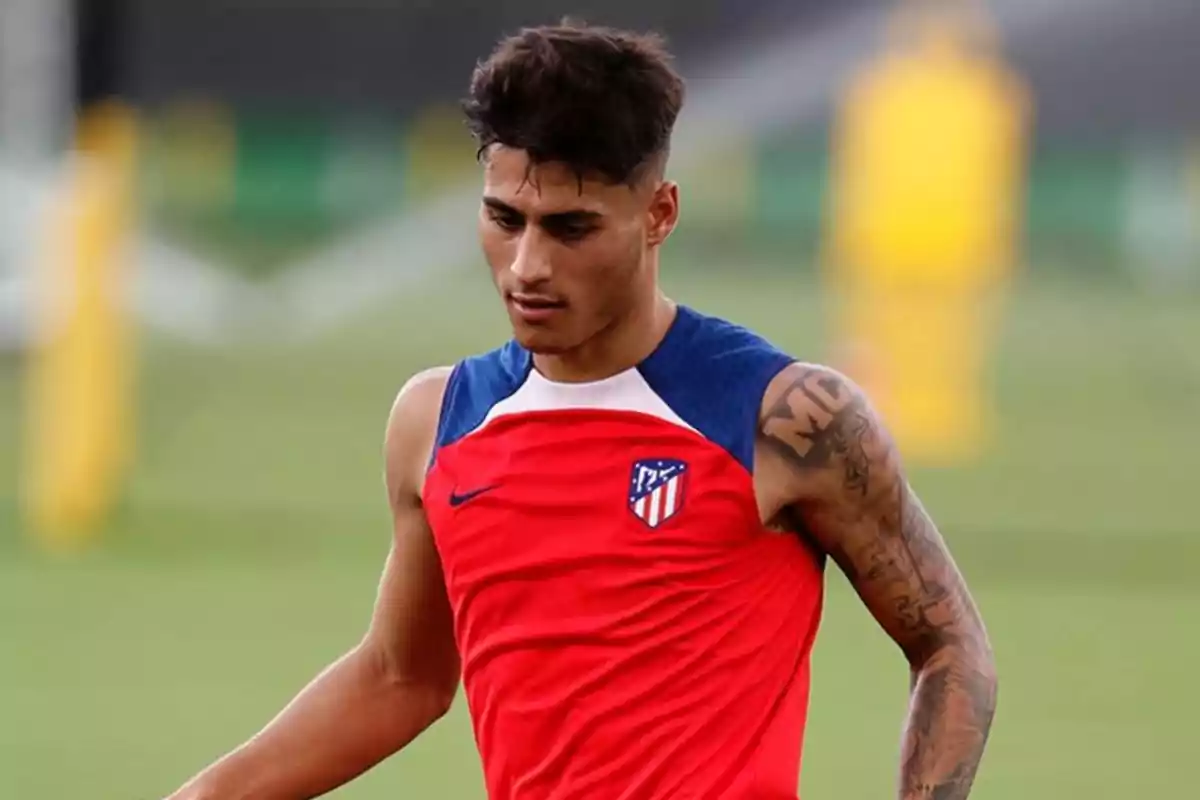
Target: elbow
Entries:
(980, 659)
(428, 701)
(970, 659)
(433, 698)
(970, 667)
(430, 689)
(972, 656)
(980, 667)
(973, 653)
(990, 675)
(982, 683)
(964, 644)
(439, 698)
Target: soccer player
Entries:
(613, 528)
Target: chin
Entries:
(541, 342)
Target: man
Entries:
(614, 527)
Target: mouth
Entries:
(534, 308)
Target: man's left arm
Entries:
(849, 491)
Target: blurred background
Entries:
(229, 231)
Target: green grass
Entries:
(247, 554)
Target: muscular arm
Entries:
(849, 490)
(389, 688)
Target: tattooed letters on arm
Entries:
(850, 493)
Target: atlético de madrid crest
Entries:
(656, 489)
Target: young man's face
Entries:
(568, 257)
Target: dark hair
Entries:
(602, 101)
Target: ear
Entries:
(663, 213)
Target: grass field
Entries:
(247, 556)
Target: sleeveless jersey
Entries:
(628, 628)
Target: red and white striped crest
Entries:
(656, 490)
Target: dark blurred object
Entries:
(101, 40)
(401, 56)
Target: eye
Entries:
(506, 221)
(571, 231)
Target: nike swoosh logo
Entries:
(457, 499)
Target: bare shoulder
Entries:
(823, 429)
(411, 429)
(420, 397)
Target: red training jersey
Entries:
(629, 630)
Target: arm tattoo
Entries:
(817, 421)
(854, 500)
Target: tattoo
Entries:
(953, 703)
(818, 419)
(949, 718)
(856, 503)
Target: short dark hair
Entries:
(600, 100)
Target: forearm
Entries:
(345, 721)
(950, 713)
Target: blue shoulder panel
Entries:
(713, 374)
(475, 385)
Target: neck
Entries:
(624, 344)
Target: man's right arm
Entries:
(395, 683)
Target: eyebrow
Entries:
(572, 215)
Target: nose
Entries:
(531, 262)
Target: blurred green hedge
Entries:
(258, 190)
